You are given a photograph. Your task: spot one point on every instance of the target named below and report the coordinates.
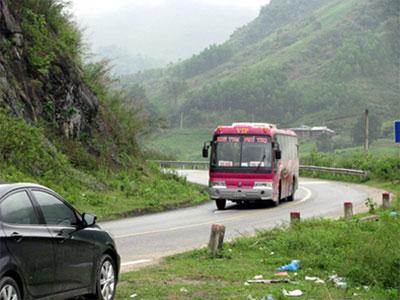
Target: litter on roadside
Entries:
(295, 293)
(133, 296)
(340, 282)
(314, 279)
(268, 281)
(282, 274)
(293, 266)
(258, 277)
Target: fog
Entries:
(154, 33)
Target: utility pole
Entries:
(366, 132)
(181, 123)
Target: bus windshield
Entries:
(242, 152)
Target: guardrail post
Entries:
(216, 238)
(294, 217)
(385, 200)
(348, 210)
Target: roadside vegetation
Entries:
(134, 187)
(381, 164)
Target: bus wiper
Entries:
(261, 161)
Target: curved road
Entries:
(144, 240)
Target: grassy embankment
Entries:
(180, 144)
(365, 253)
(90, 184)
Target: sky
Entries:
(94, 7)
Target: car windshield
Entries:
(242, 152)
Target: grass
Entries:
(366, 254)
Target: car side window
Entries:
(55, 211)
(18, 209)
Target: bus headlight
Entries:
(220, 184)
(263, 184)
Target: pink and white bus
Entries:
(252, 162)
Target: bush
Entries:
(49, 31)
(25, 148)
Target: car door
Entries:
(73, 246)
(29, 242)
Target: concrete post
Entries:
(385, 200)
(216, 238)
(348, 210)
(294, 217)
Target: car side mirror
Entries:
(89, 219)
(205, 150)
(278, 154)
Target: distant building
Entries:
(307, 131)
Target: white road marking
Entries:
(242, 216)
(136, 262)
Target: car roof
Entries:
(5, 188)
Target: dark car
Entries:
(50, 251)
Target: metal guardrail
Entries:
(203, 165)
(339, 171)
(182, 164)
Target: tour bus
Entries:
(252, 162)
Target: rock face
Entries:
(61, 97)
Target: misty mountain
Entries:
(123, 63)
(299, 62)
(166, 32)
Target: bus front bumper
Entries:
(240, 194)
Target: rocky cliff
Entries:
(58, 96)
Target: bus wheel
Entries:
(221, 203)
(291, 197)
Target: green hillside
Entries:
(62, 126)
(299, 62)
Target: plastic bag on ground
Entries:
(295, 293)
(293, 266)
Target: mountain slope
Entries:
(299, 62)
(61, 126)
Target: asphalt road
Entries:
(146, 239)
